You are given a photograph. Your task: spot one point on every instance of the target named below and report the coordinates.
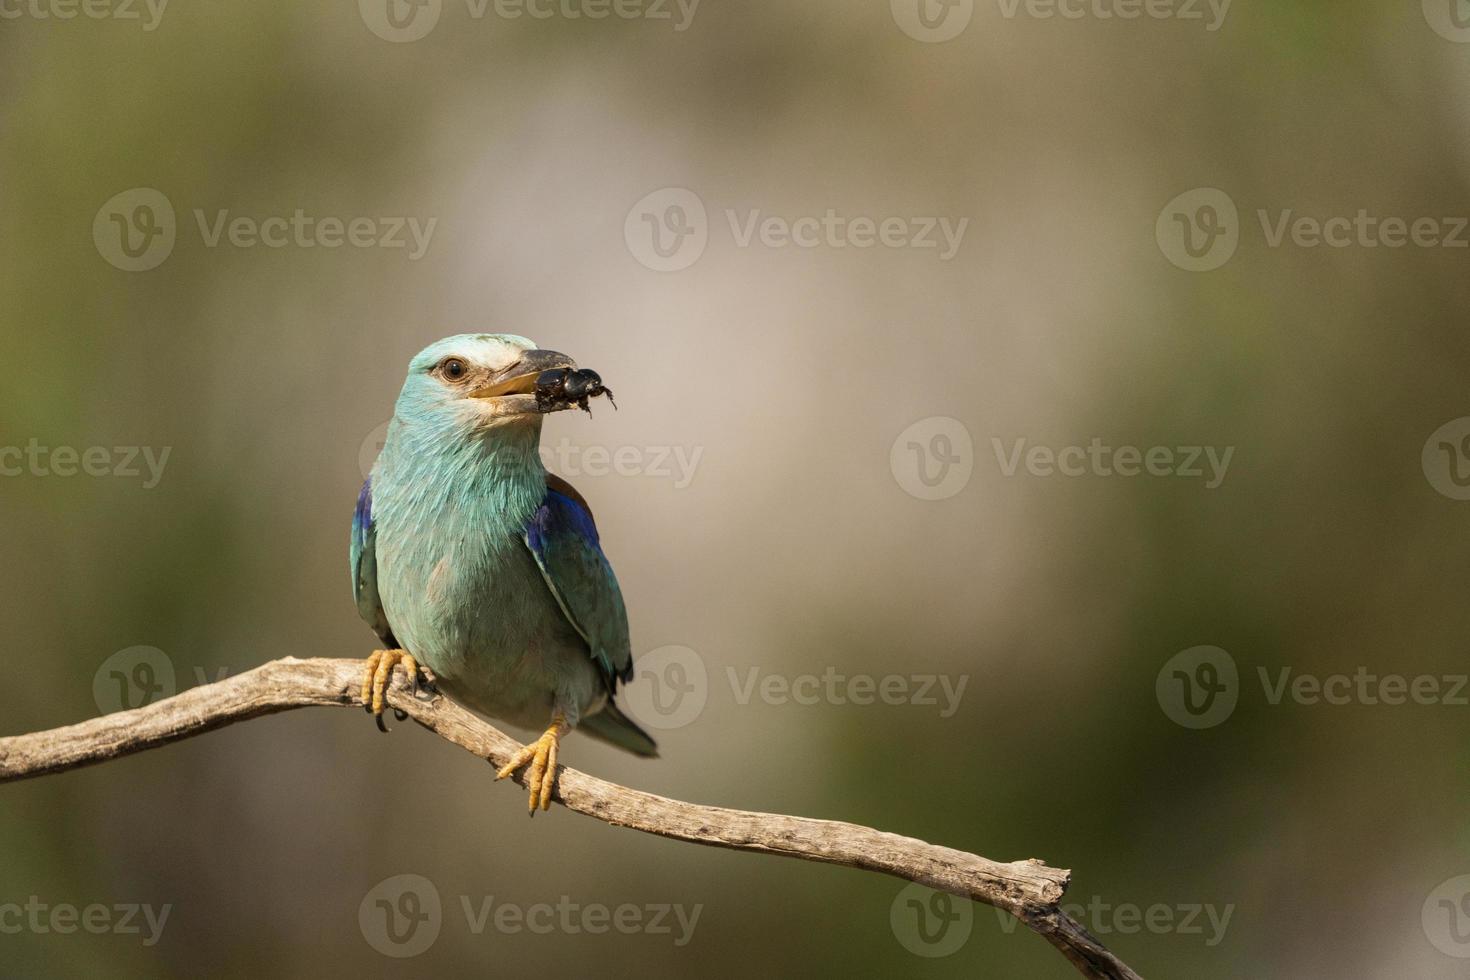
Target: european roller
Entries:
(470, 559)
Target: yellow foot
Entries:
(541, 754)
(376, 676)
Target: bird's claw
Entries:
(378, 673)
(541, 754)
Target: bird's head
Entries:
(477, 381)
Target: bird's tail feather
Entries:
(612, 726)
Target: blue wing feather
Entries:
(563, 539)
(364, 559)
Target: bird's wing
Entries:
(364, 556)
(563, 539)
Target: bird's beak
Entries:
(520, 377)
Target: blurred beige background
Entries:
(1318, 836)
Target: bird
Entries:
(483, 573)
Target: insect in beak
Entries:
(565, 387)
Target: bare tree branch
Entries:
(1029, 889)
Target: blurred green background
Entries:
(1323, 830)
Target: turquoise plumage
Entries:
(470, 559)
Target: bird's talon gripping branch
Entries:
(377, 673)
(541, 754)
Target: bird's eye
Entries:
(454, 369)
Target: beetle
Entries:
(563, 387)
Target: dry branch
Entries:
(1029, 889)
